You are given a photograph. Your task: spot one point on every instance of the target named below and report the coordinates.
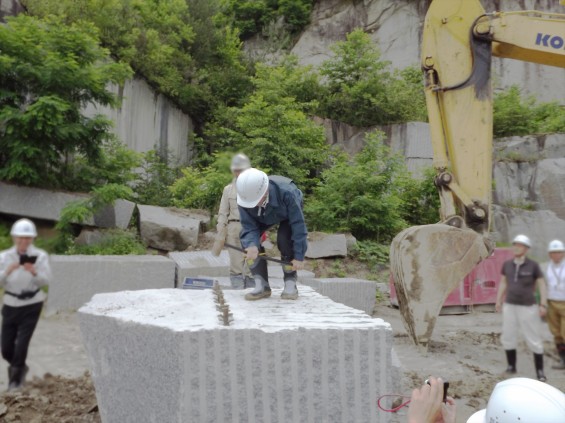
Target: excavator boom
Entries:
(459, 40)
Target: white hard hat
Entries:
(251, 186)
(240, 162)
(522, 239)
(522, 400)
(556, 246)
(24, 228)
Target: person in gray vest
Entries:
(520, 313)
(24, 269)
(229, 227)
(264, 202)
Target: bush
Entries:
(364, 197)
(421, 199)
(362, 90)
(371, 252)
(515, 114)
(202, 188)
(48, 72)
(157, 175)
(114, 242)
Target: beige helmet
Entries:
(251, 186)
(24, 228)
(240, 162)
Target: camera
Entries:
(445, 388)
(24, 258)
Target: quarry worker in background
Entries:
(520, 313)
(229, 227)
(555, 276)
(264, 202)
(24, 269)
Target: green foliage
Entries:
(182, 47)
(47, 244)
(515, 114)
(48, 72)
(113, 242)
(251, 16)
(81, 211)
(421, 199)
(362, 90)
(363, 197)
(5, 238)
(115, 165)
(202, 188)
(152, 186)
(371, 252)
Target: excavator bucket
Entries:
(427, 263)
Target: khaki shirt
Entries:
(228, 207)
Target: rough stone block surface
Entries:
(36, 203)
(356, 293)
(200, 263)
(163, 356)
(168, 229)
(77, 278)
(321, 245)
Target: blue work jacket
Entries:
(285, 203)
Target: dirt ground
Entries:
(465, 350)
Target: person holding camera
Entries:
(24, 269)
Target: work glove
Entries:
(218, 246)
(252, 253)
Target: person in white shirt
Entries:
(24, 269)
(555, 276)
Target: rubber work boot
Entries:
(290, 292)
(561, 352)
(261, 290)
(511, 358)
(237, 281)
(248, 282)
(538, 361)
(12, 383)
(17, 379)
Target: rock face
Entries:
(411, 139)
(396, 25)
(9, 8)
(77, 278)
(165, 356)
(321, 245)
(44, 204)
(169, 228)
(147, 120)
(541, 226)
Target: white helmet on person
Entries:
(523, 240)
(522, 400)
(251, 186)
(240, 162)
(23, 228)
(556, 246)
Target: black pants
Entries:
(285, 246)
(18, 324)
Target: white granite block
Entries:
(356, 293)
(200, 263)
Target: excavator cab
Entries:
(459, 40)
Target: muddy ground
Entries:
(465, 350)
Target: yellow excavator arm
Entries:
(459, 40)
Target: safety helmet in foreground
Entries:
(522, 239)
(251, 186)
(24, 228)
(556, 246)
(240, 162)
(522, 400)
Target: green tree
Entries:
(364, 197)
(48, 72)
(516, 114)
(421, 199)
(362, 90)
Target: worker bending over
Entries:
(24, 269)
(555, 276)
(520, 313)
(229, 227)
(264, 202)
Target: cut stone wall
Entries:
(162, 356)
(355, 293)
